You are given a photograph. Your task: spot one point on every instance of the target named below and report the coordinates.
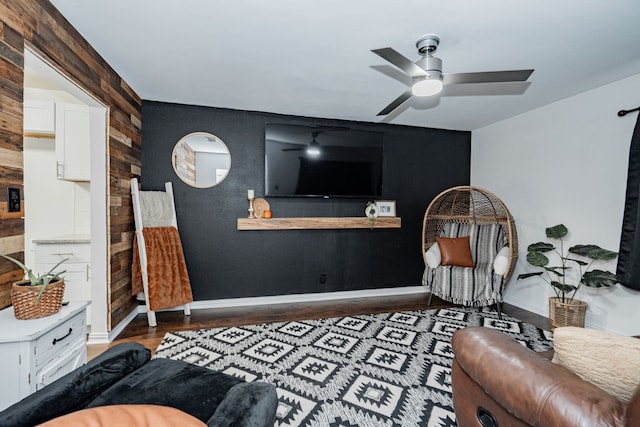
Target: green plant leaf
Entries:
(563, 287)
(602, 254)
(582, 249)
(559, 271)
(45, 282)
(16, 262)
(577, 261)
(537, 259)
(50, 272)
(527, 275)
(556, 232)
(35, 280)
(540, 247)
(599, 279)
(593, 252)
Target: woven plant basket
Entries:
(566, 314)
(24, 297)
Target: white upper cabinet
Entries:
(72, 142)
(39, 117)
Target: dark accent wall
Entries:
(226, 263)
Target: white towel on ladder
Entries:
(156, 209)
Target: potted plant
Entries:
(564, 308)
(38, 295)
(371, 211)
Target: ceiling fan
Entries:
(427, 74)
(313, 148)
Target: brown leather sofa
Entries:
(499, 382)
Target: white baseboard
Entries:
(107, 337)
(296, 298)
(98, 338)
(257, 301)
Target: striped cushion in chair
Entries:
(477, 286)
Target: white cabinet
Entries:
(39, 117)
(72, 142)
(36, 352)
(77, 277)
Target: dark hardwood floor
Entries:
(138, 330)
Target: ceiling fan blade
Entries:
(294, 149)
(400, 61)
(395, 103)
(486, 77)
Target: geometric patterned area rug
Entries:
(390, 369)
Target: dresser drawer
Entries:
(72, 358)
(54, 253)
(60, 338)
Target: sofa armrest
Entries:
(74, 390)
(251, 404)
(528, 385)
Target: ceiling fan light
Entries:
(427, 87)
(313, 151)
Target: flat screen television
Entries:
(317, 161)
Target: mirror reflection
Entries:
(201, 160)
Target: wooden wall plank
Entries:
(11, 226)
(5, 216)
(10, 140)
(11, 158)
(12, 245)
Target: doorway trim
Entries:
(99, 114)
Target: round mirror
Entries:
(201, 160)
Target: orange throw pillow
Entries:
(126, 415)
(455, 251)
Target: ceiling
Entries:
(313, 58)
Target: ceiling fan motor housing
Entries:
(427, 46)
(430, 64)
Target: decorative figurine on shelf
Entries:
(250, 196)
(371, 211)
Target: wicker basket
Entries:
(566, 314)
(24, 297)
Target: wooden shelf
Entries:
(322, 223)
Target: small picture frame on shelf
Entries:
(386, 207)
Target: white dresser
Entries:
(36, 352)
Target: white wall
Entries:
(565, 163)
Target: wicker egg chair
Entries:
(469, 206)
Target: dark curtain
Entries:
(629, 254)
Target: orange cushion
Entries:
(126, 415)
(455, 251)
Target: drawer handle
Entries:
(57, 340)
(63, 253)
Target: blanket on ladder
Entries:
(167, 274)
